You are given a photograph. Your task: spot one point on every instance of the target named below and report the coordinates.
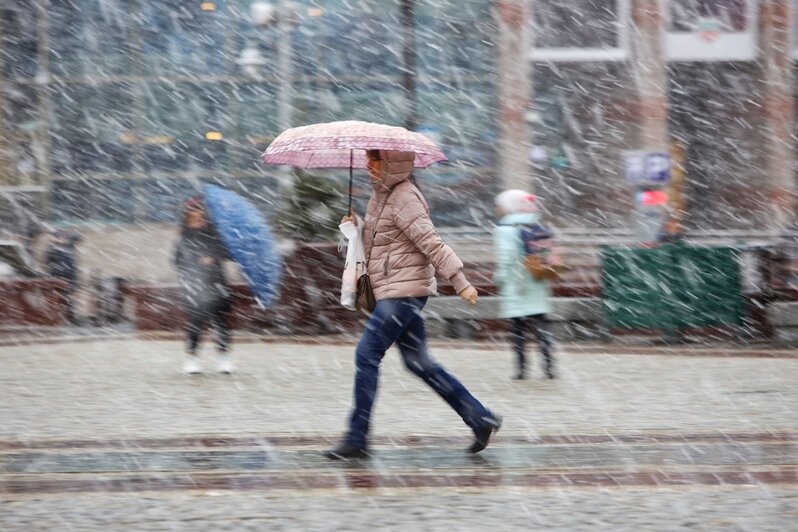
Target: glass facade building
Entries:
(110, 103)
(121, 108)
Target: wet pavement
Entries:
(107, 434)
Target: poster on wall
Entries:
(579, 30)
(712, 30)
(647, 167)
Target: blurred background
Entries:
(113, 112)
(109, 107)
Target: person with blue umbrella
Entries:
(204, 288)
(221, 225)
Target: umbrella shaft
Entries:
(351, 157)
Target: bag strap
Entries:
(537, 229)
(374, 229)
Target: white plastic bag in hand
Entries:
(355, 263)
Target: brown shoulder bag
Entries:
(365, 301)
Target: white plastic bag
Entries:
(355, 263)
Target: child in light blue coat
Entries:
(523, 299)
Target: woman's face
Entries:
(195, 219)
(374, 166)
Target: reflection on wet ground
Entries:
(540, 457)
(764, 458)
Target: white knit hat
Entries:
(515, 201)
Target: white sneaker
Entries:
(192, 366)
(224, 364)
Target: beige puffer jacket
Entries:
(407, 250)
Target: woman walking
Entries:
(523, 299)
(204, 289)
(405, 253)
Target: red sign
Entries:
(653, 198)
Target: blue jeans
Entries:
(399, 321)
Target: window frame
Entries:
(621, 52)
(726, 46)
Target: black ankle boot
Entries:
(346, 451)
(482, 435)
(521, 375)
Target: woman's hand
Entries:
(470, 295)
(348, 218)
(206, 261)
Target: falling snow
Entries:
(675, 323)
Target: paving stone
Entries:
(619, 442)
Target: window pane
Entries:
(260, 190)
(90, 127)
(549, 110)
(167, 122)
(71, 156)
(180, 38)
(693, 15)
(25, 164)
(20, 211)
(309, 57)
(112, 200)
(184, 109)
(69, 201)
(166, 154)
(176, 122)
(207, 154)
(256, 109)
(372, 102)
(245, 155)
(458, 196)
(86, 200)
(93, 111)
(19, 38)
(159, 200)
(20, 110)
(89, 37)
(575, 23)
(452, 41)
(361, 43)
(256, 112)
(465, 118)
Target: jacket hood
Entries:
(520, 218)
(396, 166)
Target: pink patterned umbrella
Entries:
(344, 144)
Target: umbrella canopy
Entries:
(344, 144)
(246, 235)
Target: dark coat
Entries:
(61, 263)
(201, 285)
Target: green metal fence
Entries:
(672, 287)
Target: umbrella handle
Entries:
(351, 162)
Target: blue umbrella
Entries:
(246, 235)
